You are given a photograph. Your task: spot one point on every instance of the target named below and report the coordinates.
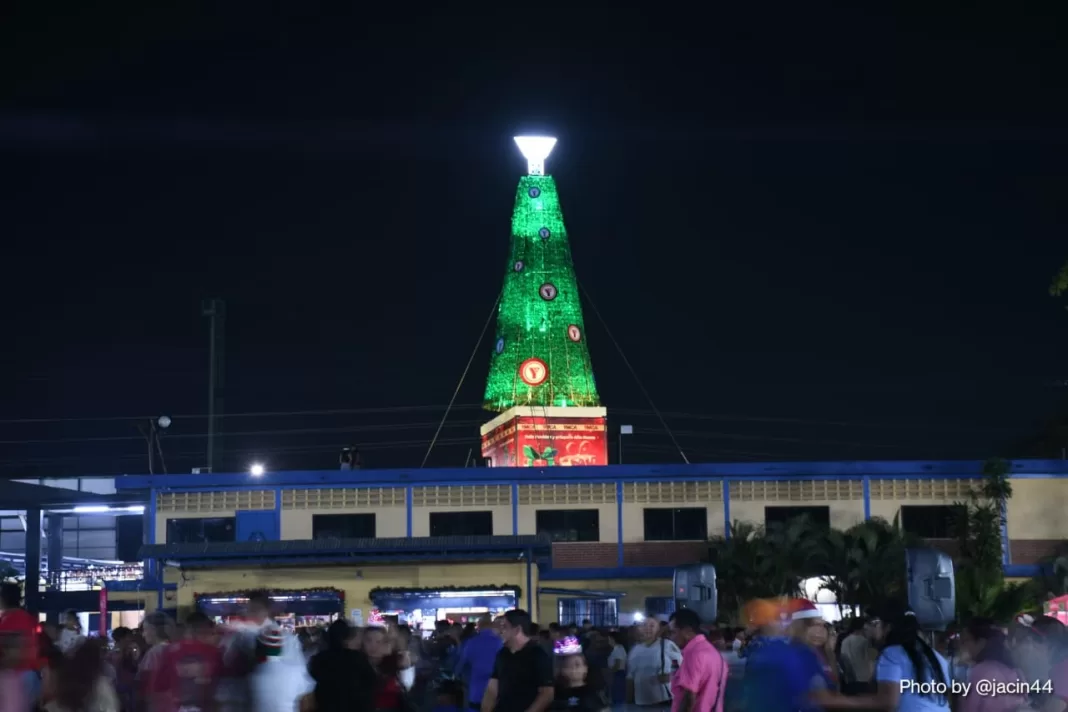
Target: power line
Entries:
(633, 373)
(478, 406)
(250, 414)
(478, 345)
(247, 433)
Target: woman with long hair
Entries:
(909, 673)
(80, 682)
(985, 645)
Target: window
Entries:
(343, 526)
(129, 536)
(820, 516)
(601, 612)
(659, 605)
(689, 524)
(201, 531)
(936, 521)
(461, 524)
(569, 524)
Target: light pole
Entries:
(155, 427)
(624, 430)
(215, 311)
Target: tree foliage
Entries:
(1060, 282)
(864, 565)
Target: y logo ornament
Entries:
(533, 371)
(547, 292)
(574, 333)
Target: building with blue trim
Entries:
(567, 542)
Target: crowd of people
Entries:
(788, 659)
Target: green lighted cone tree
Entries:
(540, 357)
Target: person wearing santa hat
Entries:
(785, 675)
(808, 628)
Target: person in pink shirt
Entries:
(985, 645)
(701, 680)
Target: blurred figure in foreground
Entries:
(80, 683)
(984, 644)
(344, 679)
(20, 625)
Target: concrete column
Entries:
(33, 559)
(54, 552)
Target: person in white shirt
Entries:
(650, 665)
(70, 636)
(617, 669)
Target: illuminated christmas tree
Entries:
(540, 355)
(540, 379)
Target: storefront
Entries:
(420, 581)
(421, 608)
(305, 608)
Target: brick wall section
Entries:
(584, 555)
(664, 553)
(1024, 551)
(596, 555)
(1033, 551)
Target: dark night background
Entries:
(814, 237)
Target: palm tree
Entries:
(980, 577)
(741, 563)
(997, 488)
(866, 563)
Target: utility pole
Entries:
(215, 311)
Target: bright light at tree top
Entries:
(535, 149)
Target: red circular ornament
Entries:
(574, 333)
(533, 371)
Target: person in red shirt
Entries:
(16, 621)
(189, 672)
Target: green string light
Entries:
(540, 356)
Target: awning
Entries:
(342, 551)
(581, 593)
(21, 495)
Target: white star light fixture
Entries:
(535, 149)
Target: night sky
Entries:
(817, 237)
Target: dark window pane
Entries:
(569, 524)
(218, 530)
(461, 524)
(601, 612)
(936, 521)
(685, 524)
(129, 536)
(343, 526)
(820, 516)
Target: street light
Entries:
(535, 149)
(164, 422)
(624, 430)
(256, 470)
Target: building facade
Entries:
(564, 541)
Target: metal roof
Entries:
(20, 495)
(516, 476)
(341, 548)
